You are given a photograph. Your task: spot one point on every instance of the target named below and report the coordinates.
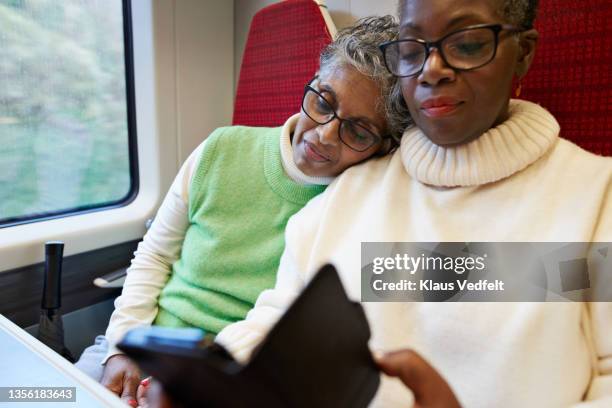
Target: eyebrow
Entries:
(453, 22)
(327, 89)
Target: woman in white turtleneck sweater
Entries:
(476, 167)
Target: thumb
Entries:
(405, 365)
(430, 389)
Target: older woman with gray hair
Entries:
(216, 241)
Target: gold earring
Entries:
(519, 89)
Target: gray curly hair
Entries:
(357, 47)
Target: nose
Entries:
(435, 70)
(328, 133)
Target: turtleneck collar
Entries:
(289, 165)
(524, 137)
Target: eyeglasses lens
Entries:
(469, 49)
(317, 108)
(466, 49)
(356, 137)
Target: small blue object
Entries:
(183, 337)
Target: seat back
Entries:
(281, 55)
(572, 75)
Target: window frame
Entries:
(128, 52)
(179, 101)
(23, 244)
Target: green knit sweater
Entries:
(240, 200)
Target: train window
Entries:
(67, 124)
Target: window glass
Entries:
(64, 130)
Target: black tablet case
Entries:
(315, 356)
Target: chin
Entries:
(306, 167)
(447, 140)
(441, 137)
(303, 165)
(315, 170)
(447, 136)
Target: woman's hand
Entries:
(151, 395)
(122, 377)
(143, 392)
(429, 388)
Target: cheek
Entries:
(408, 87)
(492, 83)
(491, 94)
(350, 157)
(301, 127)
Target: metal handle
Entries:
(52, 289)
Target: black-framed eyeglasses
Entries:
(351, 133)
(463, 50)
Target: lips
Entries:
(314, 154)
(441, 106)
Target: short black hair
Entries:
(521, 13)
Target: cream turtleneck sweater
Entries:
(517, 182)
(497, 154)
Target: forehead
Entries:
(355, 94)
(344, 76)
(347, 83)
(436, 16)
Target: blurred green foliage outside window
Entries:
(63, 106)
